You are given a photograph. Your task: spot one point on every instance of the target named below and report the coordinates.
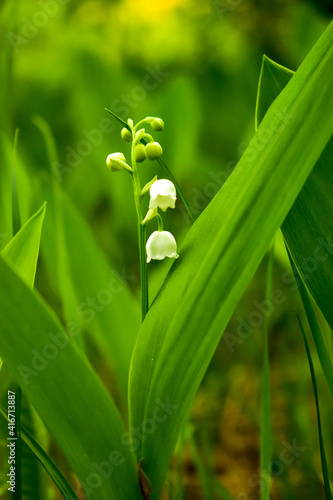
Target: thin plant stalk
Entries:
(141, 230)
(265, 438)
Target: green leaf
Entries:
(93, 295)
(223, 492)
(308, 226)
(104, 306)
(266, 430)
(22, 251)
(204, 474)
(48, 464)
(320, 433)
(16, 218)
(318, 338)
(220, 255)
(65, 391)
(23, 248)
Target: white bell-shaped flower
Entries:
(161, 244)
(162, 195)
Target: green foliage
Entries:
(50, 365)
(197, 67)
(222, 251)
(266, 430)
(86, 272)
(320, 432)
(23, 249)
(307, 228)
(53, 471)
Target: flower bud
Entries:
(157, 124)
(116, 162)
(161, 244)
(140, 153)
(162, 195)
(153, 150)
(126, 134)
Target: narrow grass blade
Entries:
(16, 218)
(204, 475)
(179, 465)
(321, 440)
(62, 254)
(50, 144)
(65, 392)
(162, 164)
(322, 351)
(220, 254)
(48, 464)
(266, 431)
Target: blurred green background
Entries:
(196, 65)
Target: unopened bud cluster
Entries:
(162, 192)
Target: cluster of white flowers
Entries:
(162, 192)
(161, 244)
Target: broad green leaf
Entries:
(219, 257)
(23, 248)
(307, 228)
(93, 295)
(65, 391)
(104, 306)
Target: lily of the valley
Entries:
(161, 244)
(162, 195)
(116, 162)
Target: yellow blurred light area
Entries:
(128, 12)
(149, 11)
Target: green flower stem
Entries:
(141, 230)
(143, 271)
(148, 136)
(159, 222)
